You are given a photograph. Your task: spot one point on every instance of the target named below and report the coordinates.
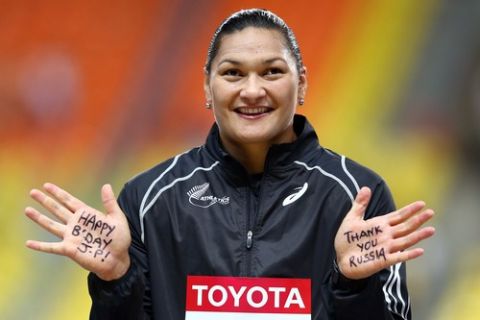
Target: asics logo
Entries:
(295, 196)
(197, 198)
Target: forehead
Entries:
(251, 42)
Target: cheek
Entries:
(287, 97)
(286, 92)
(222, 92)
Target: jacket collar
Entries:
(279, 155)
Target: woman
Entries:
(259, 220)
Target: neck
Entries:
(252, 155)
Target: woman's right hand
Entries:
(95, 240)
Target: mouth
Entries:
(253, 111)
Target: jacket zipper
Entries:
(249, 239)
(252, 217)
(249, 236)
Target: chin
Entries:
(254, 138)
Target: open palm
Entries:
(364, 247)
(95, 240)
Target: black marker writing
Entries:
(83, 247)
(357, 236)
(94, 235)
(89, 220)
(103, 259)
(367, 257)
(367, 242)
(367, 245)
(76, 230)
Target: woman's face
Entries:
(254, 87)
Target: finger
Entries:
(47, 247)
(406, 242)
(412, 224)
(403, 256)
(51, 205)
(406, 212)
(46, 223)
(65, 198)
(109, 201)
(360, 203)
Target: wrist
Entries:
(341, 282)
(118, 271)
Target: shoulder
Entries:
(178, 166)
(162, 171)
(359, 174)
(346, 173)
(348, 176)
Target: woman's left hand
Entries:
(364, 247)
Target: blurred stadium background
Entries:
(96, 91)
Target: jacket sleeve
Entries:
(383, 295)
(129, 296)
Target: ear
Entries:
(206, 88)
(302, 83)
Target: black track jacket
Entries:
(200, 213)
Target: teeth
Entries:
(252, 110)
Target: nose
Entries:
(252, 90)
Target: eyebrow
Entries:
(236, 63)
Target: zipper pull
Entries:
(249, 239)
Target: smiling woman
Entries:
(253, 88)
(260, 221)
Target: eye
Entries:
(273, 72)
(231, 74)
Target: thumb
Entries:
(360, 203)
(109, 201)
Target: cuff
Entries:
(130, 283)
(342, 283)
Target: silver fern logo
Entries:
(197, 197)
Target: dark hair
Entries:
(258, 18)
